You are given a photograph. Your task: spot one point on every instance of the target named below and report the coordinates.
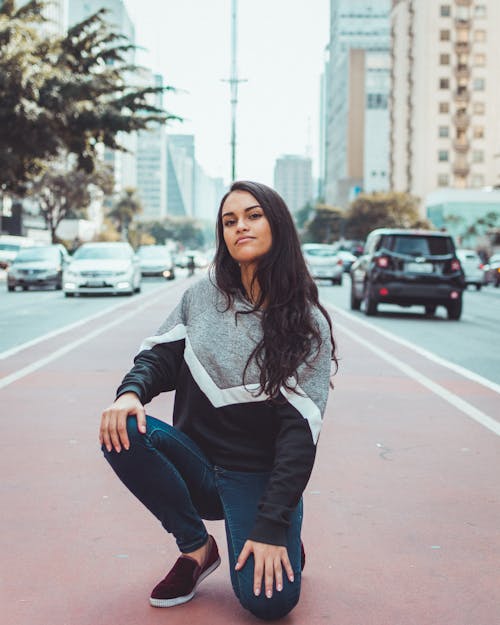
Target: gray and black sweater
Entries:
(201, 351)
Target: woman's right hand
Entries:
(113, 430)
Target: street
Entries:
(401, 512)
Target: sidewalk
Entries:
(401, 513)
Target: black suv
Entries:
(408, 267)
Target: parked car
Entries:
(200, 260)
(492, 270)
(408, 267)
(156, 260)
(473, 267)
(38, 266)
(103, 268)
(347, 259)
(323, 262)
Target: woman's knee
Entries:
(278, 606)
(135, 437)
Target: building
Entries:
(355, 128)
(181, 173)
(445, 96)
(293, 180)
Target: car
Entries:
(10, 246)
(38, 266)
(323, 262)
(408, 268)
(200, 260)
(156, 260)
(103, 268)
(347, 259)
(492, 270)
(473, 267)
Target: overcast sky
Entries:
(281, 54)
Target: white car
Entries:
(472, 266)
(103, 268)
(156, 260)
(323, 262)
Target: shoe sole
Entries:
(170, 603)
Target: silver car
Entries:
(472, 266)
(103, 268)
(323, 262)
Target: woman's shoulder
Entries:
(202, 294)
(321, 321)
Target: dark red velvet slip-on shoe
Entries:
(181, 582)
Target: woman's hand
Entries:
(270, 560)
(113, 430)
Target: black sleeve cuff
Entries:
(265, 531)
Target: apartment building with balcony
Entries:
(445, 97)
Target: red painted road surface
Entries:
(402, 513)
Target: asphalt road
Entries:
(401, 512)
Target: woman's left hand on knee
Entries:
(270, 560)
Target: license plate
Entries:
(95, 283)
(420, 267)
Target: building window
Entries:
(479, 108)
(478, 132)
(444, 83)
(377, 101)
(444, 131)
(444, 107)
(443, 155)
(445, 10)
(478, 84)
(477, 180)
(444, 59)
(480, 60)
(480, 35)
(444, 35)
(480, 10)
(443, 180)
(477, 156)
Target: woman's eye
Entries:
(228, 223)
(255, 215)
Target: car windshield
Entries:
(30, 254)
(319, 251)
(420, 245)
(105, 252)
(153, 252)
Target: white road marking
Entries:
(38, 364)
(468, 409)
(466, 373)
(49, 335)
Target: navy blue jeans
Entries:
(172, 477)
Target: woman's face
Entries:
(246, 229)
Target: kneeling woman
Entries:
(248, 351)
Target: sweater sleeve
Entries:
(159, 359)
(300, 418)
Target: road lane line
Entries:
(466, 373)
(49, 335)
(468, 409)
(38, 364)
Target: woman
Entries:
(248, 351)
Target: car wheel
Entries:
(430, 310)
(338, 281)
(355, 302)
(454, 310)
(478, 287)
(369, 302)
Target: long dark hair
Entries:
(287, 294)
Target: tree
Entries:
(63, 94)
(382, 210)
(62, 193)
(325, 226)
(185, 230)
(125, 209)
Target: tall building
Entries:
(293, 180)
(355, 104)
(445, 95)
(123, 164)
(181, 172)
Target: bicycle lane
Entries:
(399, 525)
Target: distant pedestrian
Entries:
(190, 265)
(248, 351)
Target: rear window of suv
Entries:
(415, 245)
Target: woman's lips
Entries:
(244, 240)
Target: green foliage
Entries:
(64, 94)
(382, 210)
(301, 216)
(67, 193)
(325, 226)
(125, 209)
(185, 230)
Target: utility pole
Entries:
(233, 83)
